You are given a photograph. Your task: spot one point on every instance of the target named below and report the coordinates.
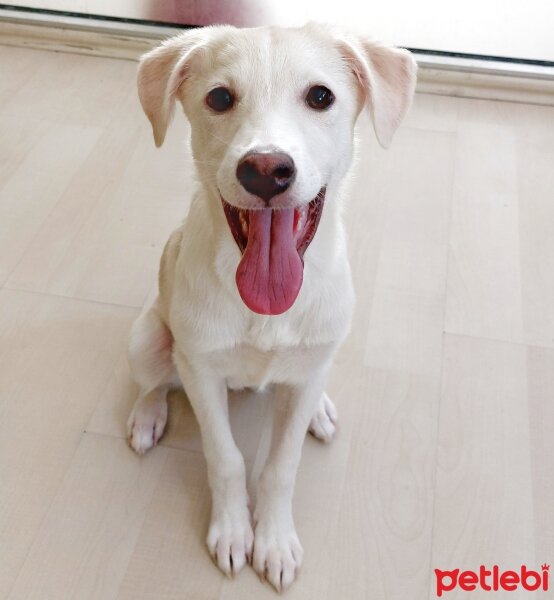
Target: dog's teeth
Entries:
(243, 223)
(301, 220)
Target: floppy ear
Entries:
(387, 77)
(160, 74)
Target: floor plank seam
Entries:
(441, 370)
(64, 297)
(44, 516)
(124, 439)
(435, 469)
(498, 340)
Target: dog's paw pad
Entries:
(230, 541)
(277, 555)
(146, 424)
(324, 423)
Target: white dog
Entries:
(255, 286)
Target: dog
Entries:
(255, 287)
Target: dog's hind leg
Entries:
(150, 357)
(324, 422)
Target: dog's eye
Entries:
(220, 99)
(319, 97)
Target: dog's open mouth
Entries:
(272, 242)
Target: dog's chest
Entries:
(248, 366)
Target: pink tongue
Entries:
(269, 276)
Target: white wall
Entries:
(513, 28)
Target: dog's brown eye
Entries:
(220, 99)
(319, 97)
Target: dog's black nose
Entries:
(266, 174)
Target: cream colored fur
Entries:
(199, 333)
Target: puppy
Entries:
(255, 286)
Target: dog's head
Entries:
(272, 115)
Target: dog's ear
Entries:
(387, 77)
(161, 72)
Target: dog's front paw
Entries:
(147, 421)
(230, 539)
(324, 423)
(277, 552)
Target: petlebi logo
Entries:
(492, 580)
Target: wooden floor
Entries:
(445, 387)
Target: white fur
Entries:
(199, 332)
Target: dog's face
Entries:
(272, 114)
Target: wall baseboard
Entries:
(113, 42)
(448, 76)
(488, 86)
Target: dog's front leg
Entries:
(230, 535)
(277, 550)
